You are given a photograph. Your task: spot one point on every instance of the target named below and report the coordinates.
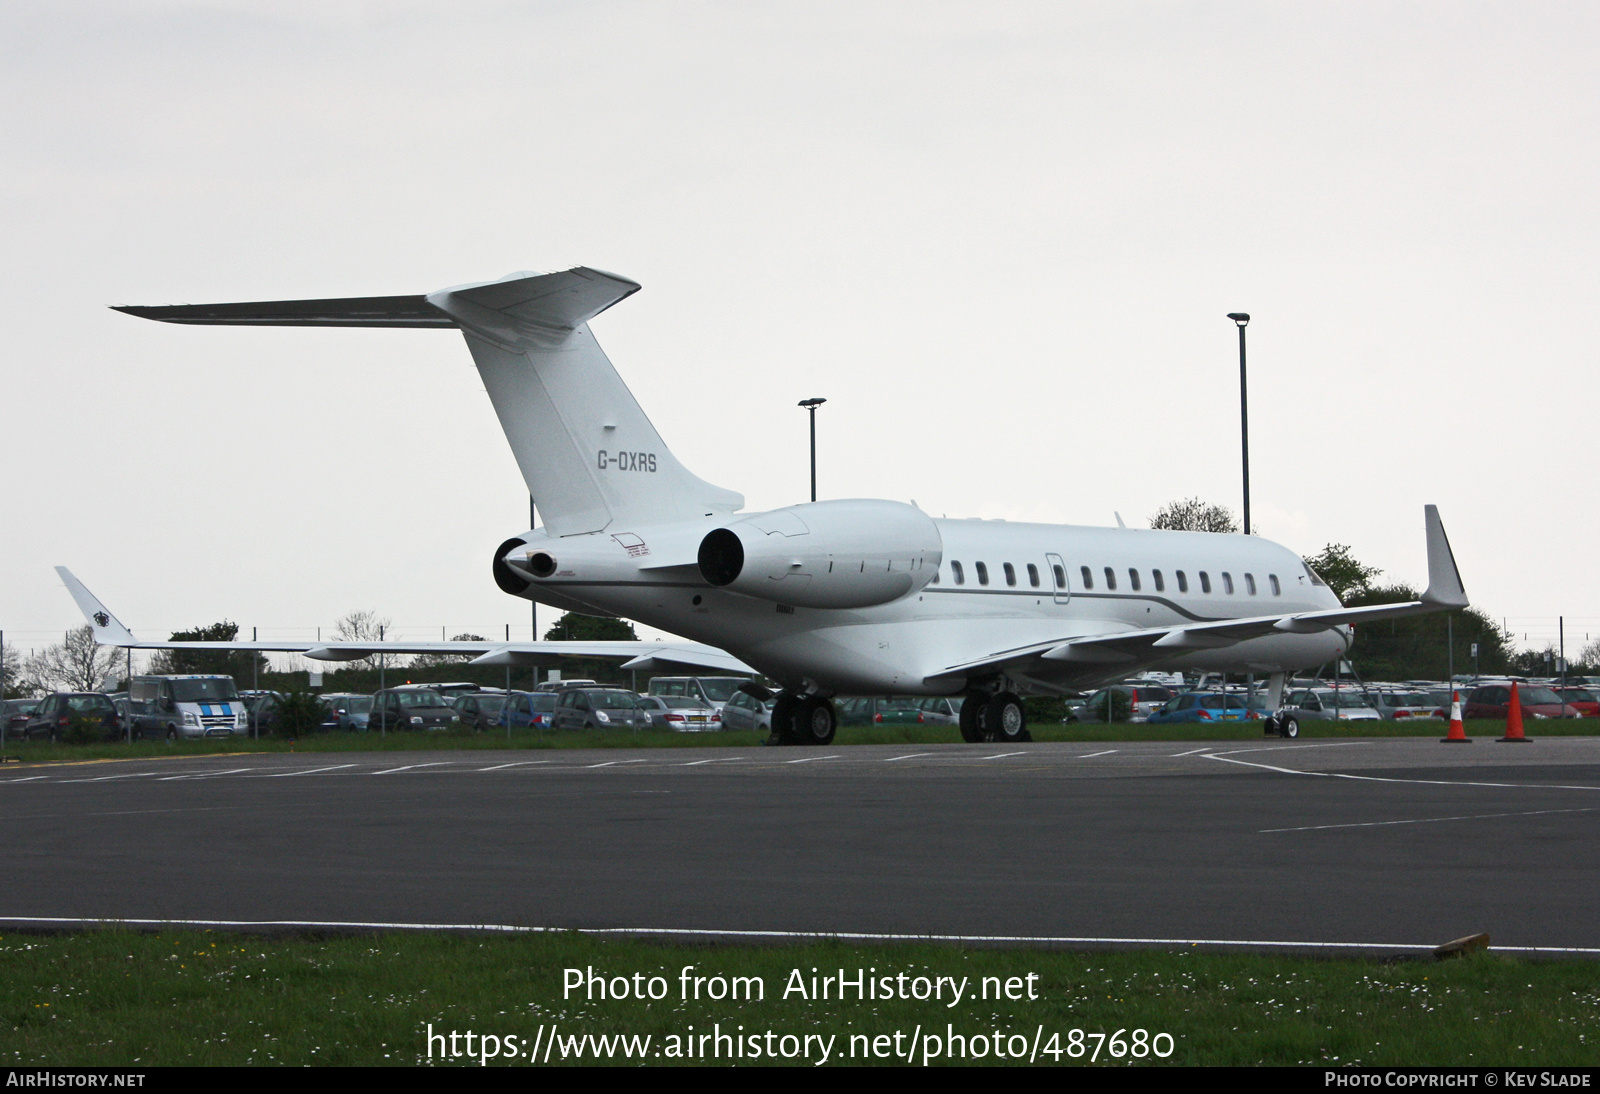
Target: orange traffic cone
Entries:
(1514, 720)
(1458, 732)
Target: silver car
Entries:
(743, 711)
(679, 712)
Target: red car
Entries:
(1584, 701)
(1494, 701)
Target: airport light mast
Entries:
(1243, 320)
(811, 408)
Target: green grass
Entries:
(46, 752)
(118, 998)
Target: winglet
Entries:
(1444, 580)
(108, 629)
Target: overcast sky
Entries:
(1000, 239)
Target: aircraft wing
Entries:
(1132, 648)
(110, 631)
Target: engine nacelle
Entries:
(825, 554)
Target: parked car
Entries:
(880, 711)
(188, 705)
(479, 709)
(351, 711)
(1494, 701)
(745, 711)
(942, 710)
(599, 708)
(1143, 700)
(1345, 704)
(1394, 705)
(528, 710)
(1586, 701)
(56, 714)
(16, 712)
(681, 713)
(410, 708)
(1202, 706)
(715, 690)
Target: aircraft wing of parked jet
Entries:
(857, 596)
(110, 631)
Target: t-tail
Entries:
(587, 451)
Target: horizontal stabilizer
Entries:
(357, 311)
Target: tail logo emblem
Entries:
(102, 619)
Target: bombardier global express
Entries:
(830, 597)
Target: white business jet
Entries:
(832, 597)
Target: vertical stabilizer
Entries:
(588, 452)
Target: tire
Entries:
(1270, 727)
(783, 712)
(972, 719)
(1289, 727)
(1006, 720)
(815, 721)
(172, 734)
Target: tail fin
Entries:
(108, 629)
(587, 451)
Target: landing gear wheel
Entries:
(1269, 726)
(815, 722)
(1006, 720)
(783, 711)
(1289, 726)
(972, 718)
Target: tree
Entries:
(1194, 515)
(11, 681)
(242, 665)
(1343, 573)
(433, 660)
(79, 663)
(362, 626)
(590, 628)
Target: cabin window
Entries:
(983, 572)
(1161, 585)
(1272, 579)
(1111, 578)
(955, 572)
(1183, 581)
(1088, 577)
(1061, 577)
(1033, 575)
(1250, 584)
(1205, 581)
(1227, 583)
(1133, 579)
(1011, 574)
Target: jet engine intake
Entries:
(825, 554)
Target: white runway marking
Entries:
(1225, 758)
(1002, 755)
(702, 932)
(1193, 751)
(614, 763)
(520, 763)
(203, 774)
(1092, 755)
(810, 759)
(413, 767)
(101, 779)
(34, 778)
(716, 760)
(1426, 820)
(912, 756)
(307, 771)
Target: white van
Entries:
(187, 706)
(714, 691)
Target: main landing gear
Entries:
(803, 720)
(998, 717)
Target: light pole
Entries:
(811, 408)
(1243, 320)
